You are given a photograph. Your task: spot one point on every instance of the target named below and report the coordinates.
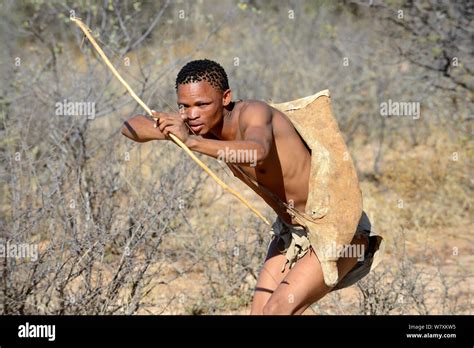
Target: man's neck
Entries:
(220, 129)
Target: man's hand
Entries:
(172, 123)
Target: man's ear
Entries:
(227, 97)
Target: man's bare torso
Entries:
(286, 169)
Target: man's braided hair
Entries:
(203, 70)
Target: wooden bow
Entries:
(87, 33)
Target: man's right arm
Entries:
(141, 129)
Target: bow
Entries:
(87, 33)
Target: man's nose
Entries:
(193, 113)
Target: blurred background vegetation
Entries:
(138, 228)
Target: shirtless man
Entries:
(281, 164)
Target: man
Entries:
(263, 149)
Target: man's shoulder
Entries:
(254, 108)
(255, 103)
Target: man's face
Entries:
(203, 105)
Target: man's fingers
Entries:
(166, 120)
(162, 124)
(162, 116)
(183, 114)
(165, 129)
(163, 121)
(166, 125)
(156, 115)
(170, 129)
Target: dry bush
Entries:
(98, 227)
(230, 266)
(432, 183)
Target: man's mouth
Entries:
(197, 127)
